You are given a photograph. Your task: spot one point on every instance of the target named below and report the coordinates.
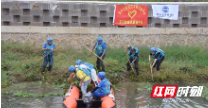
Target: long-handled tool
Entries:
(130, 63)
(37, 63)
(151, 71)
(93, 53)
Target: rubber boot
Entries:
(43, 70)
(49, 68)
(137, 72)
(128, 69)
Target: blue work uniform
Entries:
(49, 57)
(103, 89)
(99, 48)
(160, 56)
(132, 56)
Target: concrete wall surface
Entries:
(93, 14)
(114, 37)
(73, 22)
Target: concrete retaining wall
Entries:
(92, 14)
(114, 37)
(72, 23)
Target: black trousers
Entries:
(100, 62)
(158, 62)
(135, 65)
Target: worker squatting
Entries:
(85, 72)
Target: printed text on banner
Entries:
(131, 15)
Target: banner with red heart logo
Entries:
(130, 15)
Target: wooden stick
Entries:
(130, 63)
(93, 53)
(37, 63)
(151, 71)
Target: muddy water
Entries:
(9, 101)
(127, 97)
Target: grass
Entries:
(148, 87)
(205, 93)
(181, 64)
(28, 95)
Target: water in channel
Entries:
(127, 96)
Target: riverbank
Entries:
(184, 64)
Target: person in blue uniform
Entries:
(101, 49)
(133, 58)
(103, 88)
(90, 68)
(158, 55)
(48, 49)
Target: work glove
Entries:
(96, 83)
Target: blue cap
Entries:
(78, 62)
(99, 39)
(72, 68)
(153, 49)
(101, 75)
(49, 39)
(133, 48)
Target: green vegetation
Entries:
(140, 89)
(185, 64)
(205, 93)
(147, 88)
(28, 95)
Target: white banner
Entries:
(165, 11)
